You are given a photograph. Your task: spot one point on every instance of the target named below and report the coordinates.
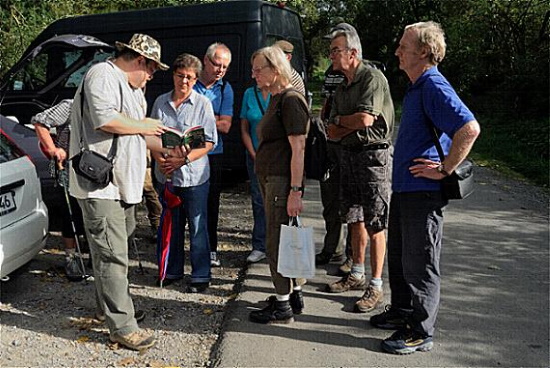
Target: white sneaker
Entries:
(255, 256)
(214, 260)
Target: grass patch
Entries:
(518, 148)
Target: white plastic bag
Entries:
(296, 250)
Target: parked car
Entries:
(23, 214)
(45, 75)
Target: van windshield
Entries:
(59, 65)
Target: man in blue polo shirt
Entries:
(211, 84)
(415, 229)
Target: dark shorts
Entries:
(366, 183)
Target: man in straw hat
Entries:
(109, 109)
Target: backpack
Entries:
(315, 157)
(315, 160)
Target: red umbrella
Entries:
(169, 201)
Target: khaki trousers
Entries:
(275, 190)
(108, 224)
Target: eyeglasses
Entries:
(258, 69)
(336, 50)
(151, 66)
(217, 65)
(190, 78)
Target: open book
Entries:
(191, 138)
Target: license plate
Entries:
(7, 203)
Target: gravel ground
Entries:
(45, 319)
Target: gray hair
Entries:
(430, 35)
(211, 50)
(352, 41)
(188, 61)
(277, 61)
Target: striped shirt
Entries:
(57, 117)
(297, 82)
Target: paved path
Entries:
(495, 296)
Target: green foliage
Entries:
(521, 147)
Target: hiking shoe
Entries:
(346, 283)
(345, 268)
(137, 340)
(255, 256)
(197, 287)
(407, 342)
(371, 299)
(390, 319)
(214, 260)
(275, 313)
(73, 268)
(139, 315)
(296, 301)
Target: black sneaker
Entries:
(275, 313)
(297, 301)
(390, 319)
(197, 287)
(407, 342)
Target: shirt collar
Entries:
(202, 86)
(427, 74)
(359, 72)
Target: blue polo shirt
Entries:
(430, 96)
(222, 104)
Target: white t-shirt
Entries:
(103, 85)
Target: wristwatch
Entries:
(187, 160)
(296, 188)
(337, 120)
(441, 169)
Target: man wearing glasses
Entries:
(211, 84)
(362, 118)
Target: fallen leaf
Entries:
(83, 339)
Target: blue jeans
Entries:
(258, 232)
(193, 210)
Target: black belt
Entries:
(367, 147)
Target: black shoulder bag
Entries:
(91, 165)
(460, 184)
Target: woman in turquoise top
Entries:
(255, 102)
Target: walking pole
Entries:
(136, 250)
(64, 181)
